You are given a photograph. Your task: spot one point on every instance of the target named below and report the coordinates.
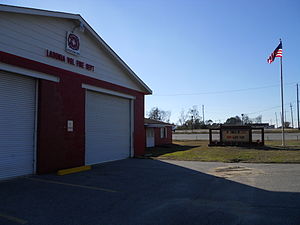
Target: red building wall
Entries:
(162, 141)
(59, 102)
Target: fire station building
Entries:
(66, 98)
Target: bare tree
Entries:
(246, 119)
(191, 119)
(158, 114)
(194, 113)
(183, 117)
(258, 119)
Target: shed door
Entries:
(107, 128)
(150, 137)
(17, 122)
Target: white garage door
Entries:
(107, 128)
(17, 113)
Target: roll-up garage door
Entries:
(107, 128)
(17, 122)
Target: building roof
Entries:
(80, 21)
(155, 123)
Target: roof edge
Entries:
(148, 122)
(40, 12)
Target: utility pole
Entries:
(192, 123)
(292, 115)
(276, 120)
(203, 114)
(298, 108)
(192, 117)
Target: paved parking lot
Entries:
(143, 191)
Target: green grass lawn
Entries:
(272, 152)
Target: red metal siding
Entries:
(59, 102)
(139, 131)
(162, 141)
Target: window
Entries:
(163, 132)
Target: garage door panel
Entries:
(14, 171)
(15, 150)
(107, 128)
(17, 110)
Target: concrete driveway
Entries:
(143, 191)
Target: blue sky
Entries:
(210, 52)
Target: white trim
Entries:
(156, 125)
(132, 128)
(38, 12)
(27, 72)
(35, 126)
(106, 91)
(77, 17)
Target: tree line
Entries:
(191, 119)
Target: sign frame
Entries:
(72, 43)
(240, 135)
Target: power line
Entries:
(259, 111)
(224, 91)
(264, 110)
(267, 109)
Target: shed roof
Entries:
(155, 123)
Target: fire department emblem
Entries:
(72, 43)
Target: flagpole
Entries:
(282, 106)
(298, 108)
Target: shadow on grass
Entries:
(273, 148)
(165, 149)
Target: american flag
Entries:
(277, 53)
